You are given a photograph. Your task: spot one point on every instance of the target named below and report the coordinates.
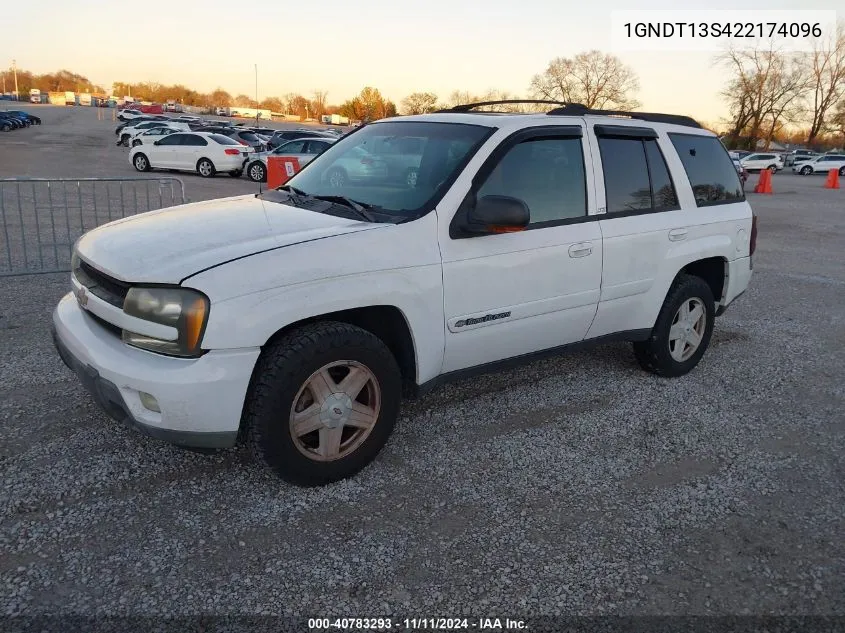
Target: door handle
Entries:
(581, 249)
(676, 235)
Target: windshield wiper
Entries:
(358, 207)
(294, 190)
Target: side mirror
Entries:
(158, 142)
(497, 214)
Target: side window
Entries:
(294, 147)
(711, 173)
(193, 140)
(626, 182)
(173, 139)
(663, 196)
(547, 174)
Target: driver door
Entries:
(510, 294)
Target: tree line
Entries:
(771, 95)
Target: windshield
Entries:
(398, 167)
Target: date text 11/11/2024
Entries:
(416, 624)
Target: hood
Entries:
(168, 245)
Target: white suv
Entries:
(296, 319)
(755, 162)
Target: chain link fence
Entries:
(41, 218)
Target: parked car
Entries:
(821, 165)
(152, 134)
(31, 117)
(282, 136)
(127, 114)
(743, 173)
(799, 156)
(247, 138)
(207, 154)
(128, 132)
(220, 112)
(295, 320)
(11, 122)
(769, 160)
(303, 149)
(739, 154)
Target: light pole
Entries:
(15, 70)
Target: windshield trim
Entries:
(407, 215)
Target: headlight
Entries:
(181, 308)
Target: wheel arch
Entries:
(387, 322)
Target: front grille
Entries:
(101, 285)
(111, 327)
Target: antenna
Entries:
(256, 121)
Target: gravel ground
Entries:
(574, 486)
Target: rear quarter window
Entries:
(223, 140)
(708, 166)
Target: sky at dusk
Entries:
(435, 46)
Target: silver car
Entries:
(303, 149)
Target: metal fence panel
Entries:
(41, 218)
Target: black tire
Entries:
(136, 143)
(806, 171)
(205, 165)
(141, 162)
(842, 171)
(654, 354)
(283, 369)
(237, 173)
(337, 177)
(772, 168)
(124, 140)
(257, 172)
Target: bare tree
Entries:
(827, 77)
(318, 102)
(593, 78)
(419, 103)
(764, 92)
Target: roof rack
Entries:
(467, 107)
(576, 109)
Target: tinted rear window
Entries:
(248, 136)
(711, 172)
(223, 140)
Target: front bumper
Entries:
(201, 399)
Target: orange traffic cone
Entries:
(764, 185)
(832, 179)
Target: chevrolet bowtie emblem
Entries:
(82, 297)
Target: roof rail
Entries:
(466, 107)
(576, 109)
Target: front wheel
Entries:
(256, 172)
(682, 331)
(806, 171)
(322, 403)
(205, 168)
(141, 162)
(842, 171)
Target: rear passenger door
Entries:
(642, 220)
(190, 150)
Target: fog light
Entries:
(149, 402)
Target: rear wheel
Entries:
(842, 171)
(141, 162)
(323, 402)
(257, 172)
(682, 331)
(205, 168)
(773, 168)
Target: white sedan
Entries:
(202, 152)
